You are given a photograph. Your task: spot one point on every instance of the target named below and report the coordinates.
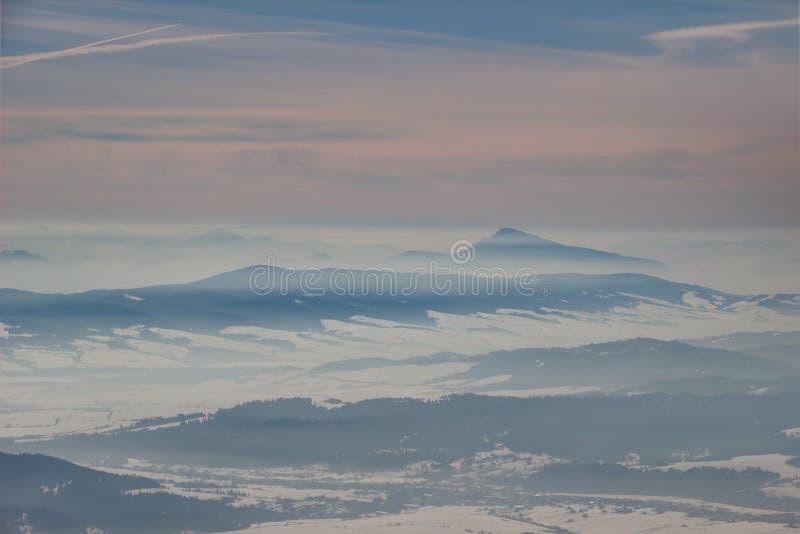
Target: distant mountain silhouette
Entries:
(511, 244)
(512, 236)
(512, 247)
(218, 235)
(14, 256)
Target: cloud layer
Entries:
(740, 31)
(335, 121)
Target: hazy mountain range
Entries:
(469, 398)
(226, 300)
(643, 364)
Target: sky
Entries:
(579, 114)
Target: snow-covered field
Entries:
(504, 509)
(541, 519)
(105, 379)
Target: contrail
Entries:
(123, 37)
(13, 61)
(94, 48)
